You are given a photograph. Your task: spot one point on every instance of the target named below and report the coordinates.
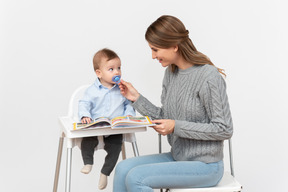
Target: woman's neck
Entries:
(182, 64)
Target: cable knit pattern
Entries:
(196, 99)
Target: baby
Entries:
(103, 99)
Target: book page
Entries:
(101, 122)
(130, 121)
(117, 122)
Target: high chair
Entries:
(73, 138)
(228, 182)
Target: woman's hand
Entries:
(128, 91)
(164, 126)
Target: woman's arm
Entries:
(145, 107)
(140, 103)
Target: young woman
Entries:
(195, 116)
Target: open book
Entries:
(117, 122)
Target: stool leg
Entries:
(58, 163)
(135, 149)
(68, 169)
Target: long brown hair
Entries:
(168, 31)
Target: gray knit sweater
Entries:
(196, 99)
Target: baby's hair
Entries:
(103, 54)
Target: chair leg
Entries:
(160, 150)
(135, 149)
(123, 151)
(68, 170)
(58, 163)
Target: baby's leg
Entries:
(88, 145)
(113, 145)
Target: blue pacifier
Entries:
(116, 79)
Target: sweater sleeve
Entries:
(214, 99)
(145, 107)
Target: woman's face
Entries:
(165, 56)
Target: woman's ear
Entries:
(175, 48)
(98, 73)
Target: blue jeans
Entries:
(145, 173)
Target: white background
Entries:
(46, 52)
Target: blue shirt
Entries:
(99, 101)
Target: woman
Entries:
(195, 116)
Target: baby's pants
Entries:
(112, 146)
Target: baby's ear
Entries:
(98, 73)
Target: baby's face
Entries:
(107, 70)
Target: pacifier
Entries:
(116, 79)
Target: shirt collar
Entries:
(99, 85)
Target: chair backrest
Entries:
(73, 103)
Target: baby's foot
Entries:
(86, 169)
(102, 181)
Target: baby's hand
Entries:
(86, 120)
